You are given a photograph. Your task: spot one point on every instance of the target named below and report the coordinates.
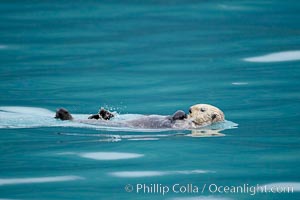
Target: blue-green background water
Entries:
(150, 57)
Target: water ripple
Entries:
(13, 181)
(276, 57)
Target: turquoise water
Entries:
(150, 57)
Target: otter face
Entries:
(63, 114)
(204, 114)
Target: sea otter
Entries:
(199, 115)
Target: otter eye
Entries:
(203, 109)
(190, 111)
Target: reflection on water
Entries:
(276, 57)
(136, 174)
(109, 155)
(12, 181)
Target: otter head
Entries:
(63, 114)
(204, 114)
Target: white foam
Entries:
(276, 57)
(28, 110)
(110, 155)
(32, 117)
(13, 181)
(282, 185)
(136, 174)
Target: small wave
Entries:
(144, 139)
(136, 174)
(276, 57)
(109, 155)
(239, 83)
(12, 181)
(8, 199)
(3, 46)
(114, 137)
(233, 7)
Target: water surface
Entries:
(151, 57)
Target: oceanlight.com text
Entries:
(176, 188)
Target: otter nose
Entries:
(214, 116)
